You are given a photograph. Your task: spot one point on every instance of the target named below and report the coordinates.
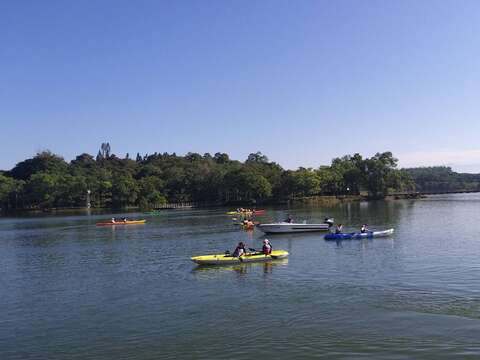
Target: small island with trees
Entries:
(47, 181)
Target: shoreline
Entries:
(311, 200)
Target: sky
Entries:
(301, 81)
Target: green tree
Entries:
(331, 180)
(124, 191)
(7, 188)
(221, 158)
(70, 191)
(257, 157)
(45, 162)
(304, 182)
(41, 188)
(150, 192)
(378, 169)
(246, 185)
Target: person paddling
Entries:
(338, 229)
(289, 219)
(113, 220)
(364, 228)
(240, 250)
(248, 224)
(267, 247)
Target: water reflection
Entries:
(364, 242)
(242, 269)
(414, 295)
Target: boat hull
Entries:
(284, 228)
(223, 259)
(358, 236)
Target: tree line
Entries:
(48, 181)
(442, 179)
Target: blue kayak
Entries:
(358, 235)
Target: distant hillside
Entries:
(443, 179)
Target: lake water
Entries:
(71, 290)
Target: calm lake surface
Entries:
(71, 290)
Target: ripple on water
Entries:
(72, 290)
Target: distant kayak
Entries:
(247, 213)
(227, 259)
(128, 222)
(358, 235)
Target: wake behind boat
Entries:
(359, 235)
(287, 227)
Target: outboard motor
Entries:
(330, 221)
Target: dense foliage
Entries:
(47, 181)
(440, 179)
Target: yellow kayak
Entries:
(223, 259)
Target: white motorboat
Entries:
(285, 227)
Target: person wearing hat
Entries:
(240, 250)
(267, 247)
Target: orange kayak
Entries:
(128, 222)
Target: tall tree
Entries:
(44, 161)
(105, 150)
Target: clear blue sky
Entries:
(301, 81)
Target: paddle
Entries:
(241, 257)
(260, 253)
